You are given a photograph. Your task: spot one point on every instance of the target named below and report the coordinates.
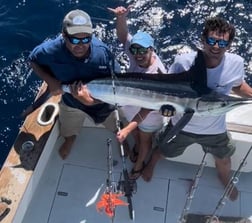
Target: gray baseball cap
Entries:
(77, 21)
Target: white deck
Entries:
(66, 188)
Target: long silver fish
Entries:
(184, 91)
(153, 94)
(196, 75)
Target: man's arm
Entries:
(53, 84)
(139, 117)
(121, 22)
(244, 90)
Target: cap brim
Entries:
(145, 45)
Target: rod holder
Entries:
(47, 113)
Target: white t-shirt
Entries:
(228, 74)
(154, 119)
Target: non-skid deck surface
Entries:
(80, 189)
(193, 218)
(161, 200)
(70, 189)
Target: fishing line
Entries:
(100, 19)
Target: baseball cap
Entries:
(77, 21)
(143, 39)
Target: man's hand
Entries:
(81, 93)
(121, 14)
(121, 11)
(122, 134)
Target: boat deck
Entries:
(69, 190)
(38, 186)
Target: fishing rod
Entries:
(128, 185)
(110, 180)
(110, 198)
(192, 191)
(229, 187)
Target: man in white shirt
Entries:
(142, 59)
(225, 72)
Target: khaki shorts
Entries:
(219, 145)
(72, 119)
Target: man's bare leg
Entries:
(145, 143)
(66, 147)
(133, 153)
(149, 169)
(223, 167)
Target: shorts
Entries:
(72, 119)
(152, 123)
(219, 145)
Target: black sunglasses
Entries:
(221, 42)
(138, 50)
(75, 40)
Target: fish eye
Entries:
(223, 104)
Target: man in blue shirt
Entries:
(74, 58)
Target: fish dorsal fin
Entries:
(198, 73)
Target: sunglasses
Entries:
(221, 42)
(75, 40)
(138, 50)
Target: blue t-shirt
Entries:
(58, 60)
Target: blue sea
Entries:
(175, 24)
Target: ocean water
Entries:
(175, 24)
